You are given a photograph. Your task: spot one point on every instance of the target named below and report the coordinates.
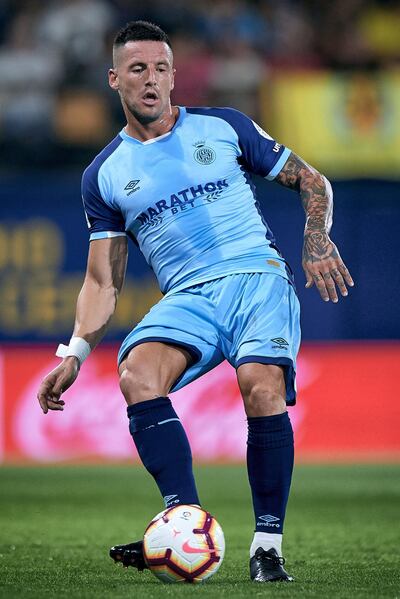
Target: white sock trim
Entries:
(266, 540)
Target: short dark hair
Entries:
(137, 31)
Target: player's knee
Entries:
(137, 384)
(262, 400)
(263, 389)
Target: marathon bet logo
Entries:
(132, 186)
(269, 520)
(203, 154)
(281, 343)
(184, 199)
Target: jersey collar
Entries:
(126, 137)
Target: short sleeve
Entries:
(260, 153)
(103, 220)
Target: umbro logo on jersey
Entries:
(269, 520)
(132, 186)
(276, 147)
(169, 500)
(281, 343)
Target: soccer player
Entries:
(176, 181)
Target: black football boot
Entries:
(267, 566)
(129, 555)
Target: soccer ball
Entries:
(183, 544)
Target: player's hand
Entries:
(56, 382)
(323, 266)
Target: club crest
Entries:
(203, 154)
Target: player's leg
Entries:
(270, 454)
(146, 377)
(174, 344)
(147, 374)
(265, 341)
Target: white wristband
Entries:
(77, 347)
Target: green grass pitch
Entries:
(57, 523)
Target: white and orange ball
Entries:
(184, 544)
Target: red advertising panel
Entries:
(347, 408)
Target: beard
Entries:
(144, 118)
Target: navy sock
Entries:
(270, 455)
(164, 449)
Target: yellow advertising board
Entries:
(347, 125)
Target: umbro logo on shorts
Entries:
(281, 343)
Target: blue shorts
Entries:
(250, 317)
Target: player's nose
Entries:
(151, 76)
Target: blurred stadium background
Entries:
(321, 77)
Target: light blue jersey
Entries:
(186, 197)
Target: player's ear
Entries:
(173, 79)
(113, 79)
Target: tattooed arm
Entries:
(322, 263)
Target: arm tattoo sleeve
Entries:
(316, 196)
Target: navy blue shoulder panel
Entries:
(260, 152)
(100, 215)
